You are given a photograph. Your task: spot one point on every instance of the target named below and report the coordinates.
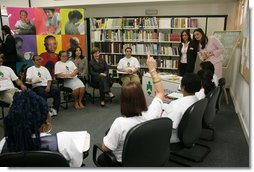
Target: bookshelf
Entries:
(159, 35)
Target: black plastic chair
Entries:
(189, 131)
(210, 113)
(66, 92)
(222, 83)
(33, 159)
(3, 105)
(145, 145)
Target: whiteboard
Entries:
(229, 40)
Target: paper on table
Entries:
(122, 72)
(33, 82)
(175, 95)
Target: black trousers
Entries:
(182, 68)
(54, 92)
(104, 85)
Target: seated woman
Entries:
(207, 65)
(207, 83)
(27, 128)
(81, 63)
(67, 70)
(98, 68)
(133, 111)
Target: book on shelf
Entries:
(193, 22)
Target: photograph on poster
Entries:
(72, 21)
(21, 20)
(26, 47)
(48, 21)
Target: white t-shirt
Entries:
(215, 80)
(114, 140)
(38, 74)
(6, 77)
(65, 68)
(131, 62)
(53, 21)
(175, 110)
(70, 145)
(201, 94)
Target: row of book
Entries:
(107, 35)
(138, 49)
(169, 37)
(143, 23)
(134, 36)
(142, 49)
(109, 47)
(146, 36)
(111, 59)
(168, 51)
(165, 23)
(106, 23)
(167, 63)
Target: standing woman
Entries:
(66, 69)
(8, 47)
(98, 68)
(210, 49)
(188, 54)
(81, 63)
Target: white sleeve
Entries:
(71, 146)
(154, 109)
(112, 139)
(29, 73)
(13, 75)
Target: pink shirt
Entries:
(214, 46)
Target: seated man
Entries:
(41, 81)
(7, 89)
(129, 65)
(190, 84)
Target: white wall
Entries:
(240, 92)
(47, 3)
(12, 3)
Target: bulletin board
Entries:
(245, 44)
(229, 40)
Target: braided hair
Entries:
(26, 115)
(206, 77)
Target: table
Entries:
(171, 83)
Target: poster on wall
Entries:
(245, 56)
(46, 31)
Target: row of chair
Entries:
(147, 144)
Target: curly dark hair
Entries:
(26, 115)
(74, 14)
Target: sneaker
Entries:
(50, 114)
(53, 111)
